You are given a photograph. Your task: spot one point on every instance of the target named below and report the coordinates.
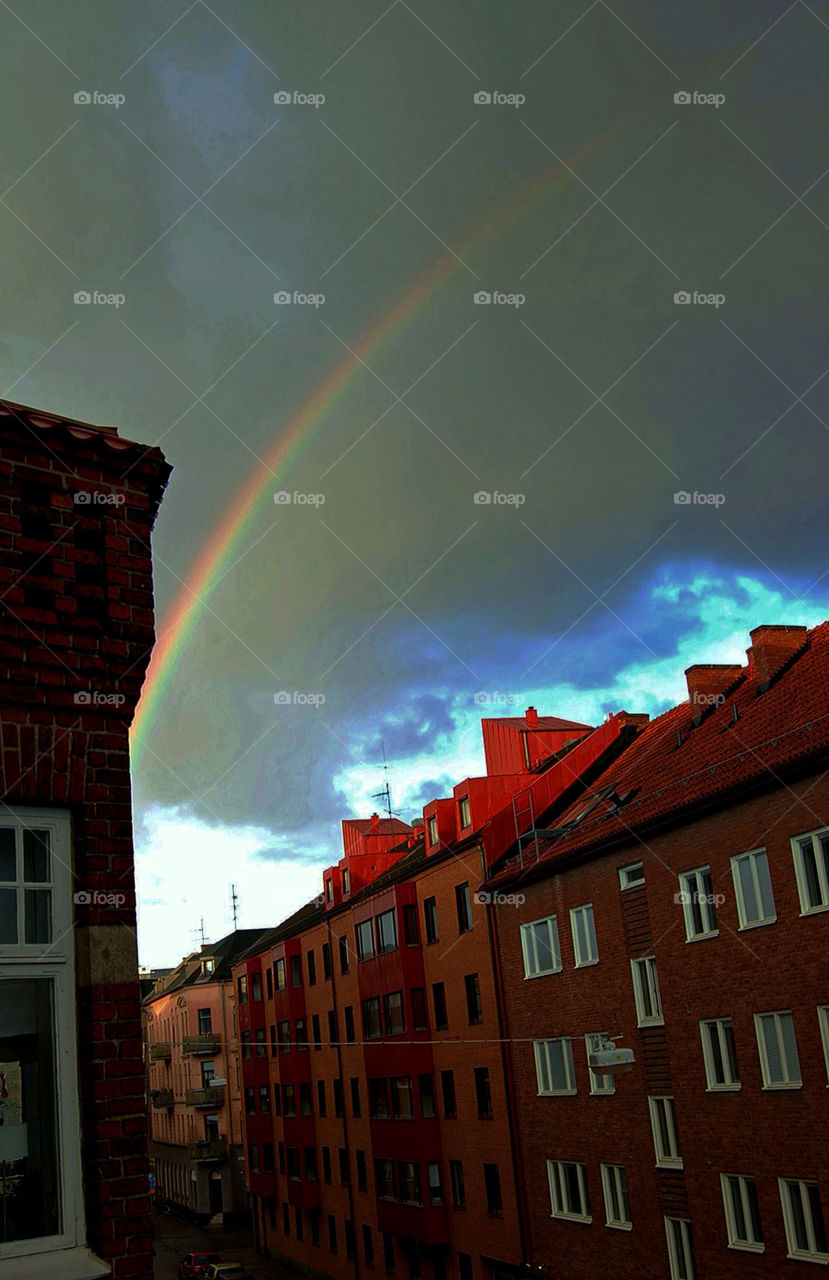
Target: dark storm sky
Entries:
(595, 401)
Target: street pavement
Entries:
(175, 1237)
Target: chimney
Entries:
(531, 717)
(770, 648)
(707, 683)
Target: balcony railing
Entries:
(213, 1096)
(207, 1042)
(161, 1097)
(160, 1050)
(208, 1150)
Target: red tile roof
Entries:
(544, 723)
(672, 765)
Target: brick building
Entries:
(191, 1037)
(77, 505)
(681, 906)
(418, 1091)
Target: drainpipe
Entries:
(334, 961)
(509, 1080)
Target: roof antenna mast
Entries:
(234, 906)
(385, 793)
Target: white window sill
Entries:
(669, 1164)
(558, 1093)
(702, 937)
(782, 1088)
(820, 1258)
(726, 1088)
(64, 1264)
(586, 964)
(745, 1247)
(651, 1022)
(542, 973)
(757, 924)
(570, 1217)
(619, 1226)
(815, 911)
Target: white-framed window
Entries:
(742, 1212)
(600, 1082)
(778, 1050)
(803, 1220)
(678, 1231)
(583, 926)
(646, 992)
(568, 1190)
(539, 944)
(719, 1052)
(432, 829)
(752, 887)
(665, 1140)
(615, 1191)
(698, 904)
(631, 875)
(823, 1023)
(40, 1134)
(811, 865)
(554, 1066)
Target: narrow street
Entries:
(174, 1238)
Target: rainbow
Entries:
(215, 557)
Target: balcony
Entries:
(207, 1042)
(208, 1151)
(213, 1096)
(161, 1097)
(161, 1051)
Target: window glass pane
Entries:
(31, 1203)
(8, 915)
(772, 1048)
(543, 949)
(747, 887)
(764, 880)
(36, 856)
(789, 1047)
(8, 861)
(817, 1217)
(798, 1218)
(38, 905)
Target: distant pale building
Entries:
(191, 1038)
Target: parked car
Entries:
(227, 1271)
(196, 1265)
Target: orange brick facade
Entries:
(695, 1161)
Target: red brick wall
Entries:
(765, 1134)
(76, 615)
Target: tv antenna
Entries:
(385, 792)
(200, 934)
(234, 906)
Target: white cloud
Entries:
(184, 870)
